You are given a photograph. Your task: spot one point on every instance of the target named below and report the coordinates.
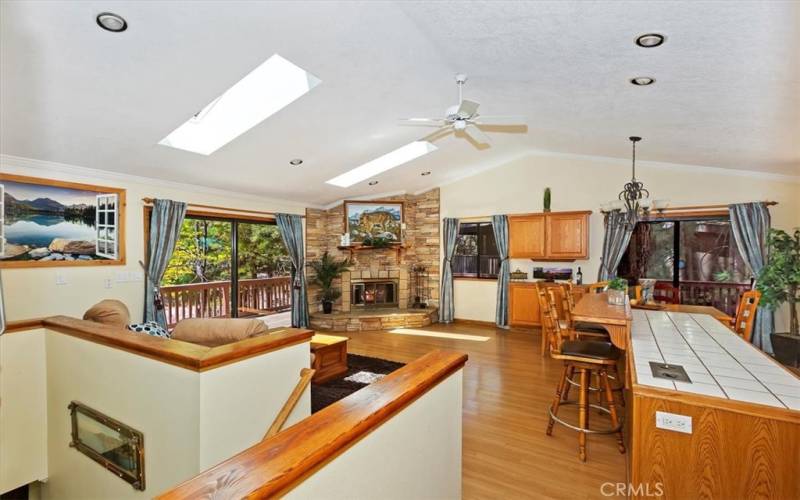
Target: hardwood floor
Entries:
(508, 386)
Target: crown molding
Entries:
(91, 173)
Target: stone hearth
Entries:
(374, 319)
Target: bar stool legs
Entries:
(585, 374)
(583, 413)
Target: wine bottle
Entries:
(579, 277)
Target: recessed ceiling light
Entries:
(296, 162)
(274, 84)
(643, 80)
(650, 40)
(372, 183)
(423, 174)
(111, 22)
(386, 162)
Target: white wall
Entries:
(583, 183)
(415, 454)
(238, 402)
(23, 409)
(31, 293)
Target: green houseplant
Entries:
(779, 282)
(327, 269)
(616, 290)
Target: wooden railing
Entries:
(277, 464)
(723, 296)
(212, 299)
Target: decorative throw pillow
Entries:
(150, 328)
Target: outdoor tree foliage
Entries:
(203, 252)
(779, 279)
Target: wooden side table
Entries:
(330, 357)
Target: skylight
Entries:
(264, 91)
(386, 162)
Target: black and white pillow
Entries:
(150, 328)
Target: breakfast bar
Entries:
(731, 431)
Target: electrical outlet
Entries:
(674, 422)
(61, 279)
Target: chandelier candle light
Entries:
(634, 199)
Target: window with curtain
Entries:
(226, 267)
(696, 255)
(476, 251)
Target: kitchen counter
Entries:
(718, 362)
(733, 432)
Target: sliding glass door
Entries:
(226, 268)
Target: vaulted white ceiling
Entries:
(727, 91)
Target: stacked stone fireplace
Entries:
(382, 268)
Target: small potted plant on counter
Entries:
(779, 282)
(617, 290)
(327, 269)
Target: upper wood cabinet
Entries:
(526, 236)
(559, 236)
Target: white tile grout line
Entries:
(663, 358)
(691, 315)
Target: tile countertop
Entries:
(718, 362)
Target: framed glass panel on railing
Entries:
(114, 445)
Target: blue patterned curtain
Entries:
(750, 223)
(447, 308)
(500, 228)
(615, 242)
(291, 228)
(165, 228)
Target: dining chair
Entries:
(665, 292)
(746, 314)
(588, 358)
(598, 287)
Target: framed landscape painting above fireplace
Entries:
(383, 219)
(45, 223)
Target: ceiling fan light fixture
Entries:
(650, 40)
(295, 162)
(642, 81)
(111, 22)
(372, 183)
(423, 174)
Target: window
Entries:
(698, 256)
(225, 267)
(106, 223)
(476, 251)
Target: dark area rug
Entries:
(360, 368)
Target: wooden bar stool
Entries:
(587, 358)
(746, 314)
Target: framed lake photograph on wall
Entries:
(46, 223)
(367, 220)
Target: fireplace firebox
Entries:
(373, 293)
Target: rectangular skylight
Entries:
(386, 162)
(264, 91)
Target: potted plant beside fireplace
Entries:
(327, 269)
(779, 282)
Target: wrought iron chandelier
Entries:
(634, 195)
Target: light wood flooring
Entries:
(508, 387)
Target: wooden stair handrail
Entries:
(305, 378)
(276, 465)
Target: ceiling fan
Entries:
(464, 117)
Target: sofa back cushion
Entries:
(109, 312)
(212, 332)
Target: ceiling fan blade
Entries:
(477, 134)
(427, 122)
(501, 120)
(467, 108)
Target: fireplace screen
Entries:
(374, 293)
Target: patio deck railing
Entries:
(723, 296)
(212, 299)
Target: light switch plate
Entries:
(61, 279)
(674, 422)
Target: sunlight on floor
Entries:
(441, 335)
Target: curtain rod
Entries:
(700, 207)
(225, 209)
